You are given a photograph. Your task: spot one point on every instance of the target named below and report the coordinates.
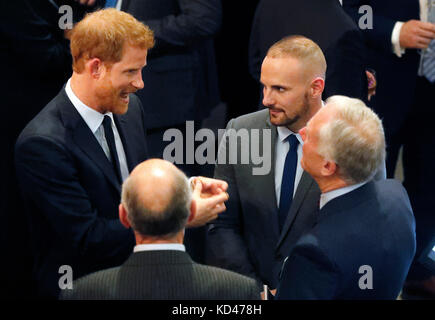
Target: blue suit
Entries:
(370, 226)
(71, 191)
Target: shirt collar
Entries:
(159, 246)
(92, 117)
(284, 132)
(328, 196)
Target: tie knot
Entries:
(107, 122)
(293, 141)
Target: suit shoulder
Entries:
(254, 120)
(97, 285)
(47, 123)
(391, 191)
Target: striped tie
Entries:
(110, 3)
(427, 65)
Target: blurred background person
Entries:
(405, 100)
(322, 21)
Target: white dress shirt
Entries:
(159, 246)
(94, 120)
(328, 196)
(281, 149)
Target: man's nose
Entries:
(267, 97)
(138, 82)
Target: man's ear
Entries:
(95, 67)
(123, 216)
(317, 86)
(328, 168)
(192, 211)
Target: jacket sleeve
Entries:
(226, 247)
(346, 67)
(198, 19)
(30, 30)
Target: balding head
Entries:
(157, 199)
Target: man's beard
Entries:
(110, 98)
(288, 122)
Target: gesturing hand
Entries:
(416, 34)
(209, 195)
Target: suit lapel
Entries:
(122, 127)
(267, 182)
(86, 141)
(303, 187)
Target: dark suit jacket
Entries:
(396, 77)
(163, 275)
(180, 78)
(370, 226)
(71, 191)
(245, 238)
(324, 22)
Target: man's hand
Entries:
(416, 34)
(87, 2)
(372, 84)
(209, 195)
(263, 295)
(210, 186)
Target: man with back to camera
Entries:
(160, 268)
(72, 157)
(363, 242)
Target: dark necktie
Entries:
(108, 133)
(288, 180)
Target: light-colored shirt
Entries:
(94, 120)
(281, 150)
(328, 196)
(159, 246)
